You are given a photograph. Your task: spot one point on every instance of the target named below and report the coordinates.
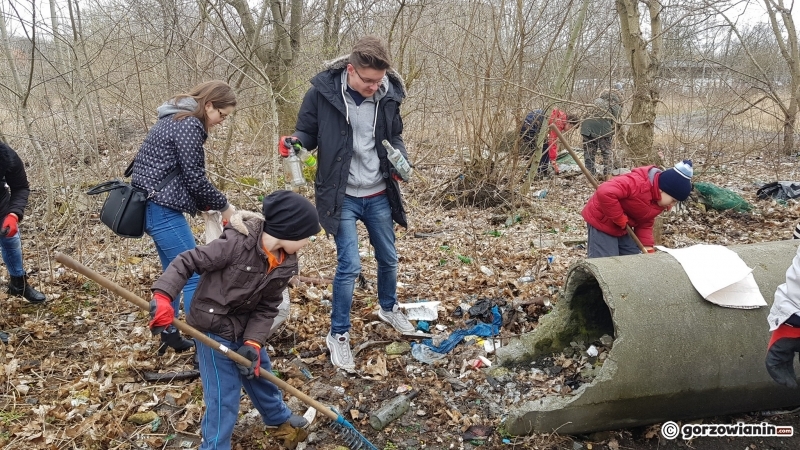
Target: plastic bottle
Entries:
(391, 410)
(305, 156)
(293, 168)
(398, 161)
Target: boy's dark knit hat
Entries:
(677, 181)
(289, 216)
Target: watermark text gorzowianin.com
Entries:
(672, 430)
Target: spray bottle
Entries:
(390, 411)
(398, 161)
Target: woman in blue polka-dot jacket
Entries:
(174, 148)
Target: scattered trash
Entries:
(526, 279)
(302, 367)
(424, 354)
(720, 198)
(398, 348)
(592, 351)
(143, 418)
(390, 411)
(550, 259)
(487, 271)
(423, 326)
(779, 190)
(477, 432)
(481, 310)
(540, 194)
(421, 310)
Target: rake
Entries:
(351, 436)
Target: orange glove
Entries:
(252, 351)
(9, 227)
(650, 249)
(621, 221)
(161, 313)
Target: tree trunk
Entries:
(644, 57)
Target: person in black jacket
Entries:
(174, 145)
(14, 191)
(351, 107)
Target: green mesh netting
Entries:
(721, 199)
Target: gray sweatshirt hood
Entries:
(171, 106)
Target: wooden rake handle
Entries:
(187, 329)
(593, 181)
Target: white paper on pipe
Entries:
(719, 275)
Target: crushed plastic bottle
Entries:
(424, 354)
(390, 411)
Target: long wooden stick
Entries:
(593, 181)
(187, 329)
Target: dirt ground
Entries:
(73, 374)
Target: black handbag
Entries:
(124, 209)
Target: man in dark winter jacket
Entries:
(351, 107)
(14, 193)
(598, 130)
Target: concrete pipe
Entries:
(675, 355)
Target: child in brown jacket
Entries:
(242, 276)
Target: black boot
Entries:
(20, 286)
(175, 340)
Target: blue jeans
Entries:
(376, 214)
(222, 388)
(11, 248)
(171, 233)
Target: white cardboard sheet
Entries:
(719, 275)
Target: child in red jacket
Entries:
(634, 199)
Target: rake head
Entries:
(351, 436)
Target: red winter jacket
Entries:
(632, 194)
(559, 118)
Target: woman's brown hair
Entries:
(217, 92)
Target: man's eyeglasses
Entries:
(367, 82)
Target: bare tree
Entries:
(644, 55)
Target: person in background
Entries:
(242, 276)
(634, 199)
(351, 107)
(784, 326)
(14, 191)
(564, 122)
(174, 148)
(598, 130)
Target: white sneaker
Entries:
(396, 319)
(341, 356)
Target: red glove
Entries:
(252, 351)
(555, 167)
(161, 313)
(285, 143)
(621, 221)
(650, 249)
(9, 227)
(783, 344)
(397, 177)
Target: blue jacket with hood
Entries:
(343, 161)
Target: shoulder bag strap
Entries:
(164, 182)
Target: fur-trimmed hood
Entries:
(246, 222)
(340, 63)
